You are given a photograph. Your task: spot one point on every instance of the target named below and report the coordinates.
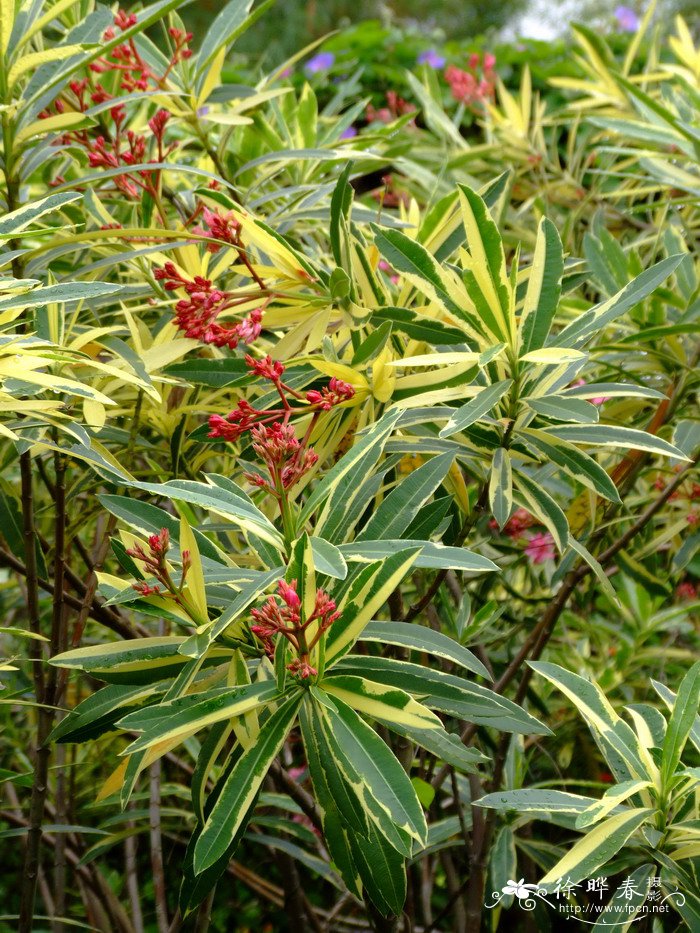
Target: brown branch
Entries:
(98, 611)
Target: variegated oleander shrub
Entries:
(325, 454)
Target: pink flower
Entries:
(540, 547)
(333, 394)
(266, 368)
(686, 591)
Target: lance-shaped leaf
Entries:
(397, 511)
(431, 554)
(343, 482)
(333, 790)
(149, 519)
(242, 785)
(139, 661)
(445, 693)
(561, 408)
(386, 780)
(538, 501)
(382, 870)
(444, 745)
(220, 501)
(12, 223)
(501, 486)
(380, 702)
(625, 755)
(681, 722)
(416, 264)
(593, 321)
(484, 264)
(609, 435)
(100, 711)
(476, 408)
(194, 576)
(543, 288)
(422, 638)
(577, 464)
(185, 716)
(596, 848)
(610, 800)
(366, 595)
(534, 800)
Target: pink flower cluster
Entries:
(120, 146)
(221, 227)
(286, 618)
(331, 395)
(476, 83)
(539, 547)
(396, 107)
(154, 563)
(283, 455)
(244, 417)
(196, 315)
(286, 458)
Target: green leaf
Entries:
(149, 520)
(380, 702)
(445, 693)
(341, 206)
(140, 661)
(420, 638)
(577, 464)
(65, 291)
(596, 848)
(343, 482)
(476, 408)
(501, 486)
(328, 559)
(560, 408)
(99, 712)
(611, 799)
(366, 595)
(220, 501)
(669, 698)
(418, 326)
(593, 321)
(228, 25)
(331, 786)
(609, 435)
(17, 220)
(444, 745)
(534, 800)
(219, 374)
(625, 756)
(414, 262)
(431, 554)
(242, 785)
(538, 501)
(386, 780)
(382, 870)
(182, 717)
(681, 722)
(403, 503)
(485, 266)
(543, 288)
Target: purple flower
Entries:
(321, 62)
(349, 133)
(431, 58)
(627, 19)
